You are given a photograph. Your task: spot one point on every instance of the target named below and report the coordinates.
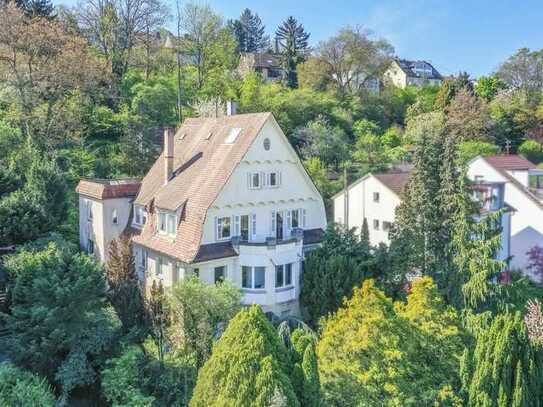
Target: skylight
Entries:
(208, 135)
(233, 135)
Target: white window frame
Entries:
(89, 210)
(225, 273)
(252, 271)
(252, 227)
(114, 217)
(140, 215)
(219, 228)
(170, 219)
(252, 177)
(283, 269)
(159, 272)
(376, 197)
(277, 179)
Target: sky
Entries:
(473, 36)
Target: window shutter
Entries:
(253, 225)
(304, 218)
(262, 179)
(216, 229)
(278, 178)
(237, 230)
(273, 220)
(249, 180)
(288, 223)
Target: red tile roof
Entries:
(510, 162)
(396, 182)
(108, 189)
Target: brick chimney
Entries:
(168, 154)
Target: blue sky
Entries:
(475, 36)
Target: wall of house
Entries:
(362, 205)
(423, 82)
(526, 221)
(295, 191)
(102, 229)
(395, 75)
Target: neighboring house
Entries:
(524, 192)
(268, 65)
(375, 198)
(403, 73)
(227, 199)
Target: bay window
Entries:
(253, 277)
(283, 275)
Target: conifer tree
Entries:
(250, 32)
(249, 366)
(504, 369)
(294, 43)
(124, 290)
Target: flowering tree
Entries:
(534, 322)
(535, 261)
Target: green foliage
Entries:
(294, 44)
(36, 208)
(19, 388)
(374, 352)
(49, 288)
(331, 272)
(532, 150)
(468, 150)
(488, 87)
(320, 176)
(249, 366)
(503, 369)
(196, 311)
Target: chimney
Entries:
(168, 154)
(231, 108)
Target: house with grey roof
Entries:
(267, 64)
(403, 73)
(228, 199)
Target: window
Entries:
(167, 223)
(143, 259)
(233, 135)
(89, 210)
(386, 226)
(536, 181)
(267, 144)
(376, 224)
(279, 225)
(283, 275)
(140, 215)
(246, 277)
(295, 218)
(253, 277)
(219, 274)
(253, 225)
(90, 247)
(159, 267)
(274, 179)
(244, 227)
(196, 272)
(223, 228)
(114, 218)
(254, 180)
(376, 197)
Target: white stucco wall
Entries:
(526, 221)
(361, 204)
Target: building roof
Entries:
(413, 69)
(264, 59)
(505, 163)
(203, 163)
(510, 162)
(396, 181)
(108, 189)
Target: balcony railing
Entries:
(295, 236)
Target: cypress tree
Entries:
(249, 366)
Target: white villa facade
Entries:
(227, 199)
(375, 197)
(524, 192)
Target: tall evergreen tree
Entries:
(504, 369)
(293, 40)
(249, 366)
(36, 8)
(250, 32)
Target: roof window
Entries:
(233, 135)
(208, 135)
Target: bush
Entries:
(21, 388)
(532, 150)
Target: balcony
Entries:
(490, 196)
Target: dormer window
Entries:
(167, 223)
(140, 215)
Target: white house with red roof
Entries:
(227, 199)
(524, 192)
(375, 198)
